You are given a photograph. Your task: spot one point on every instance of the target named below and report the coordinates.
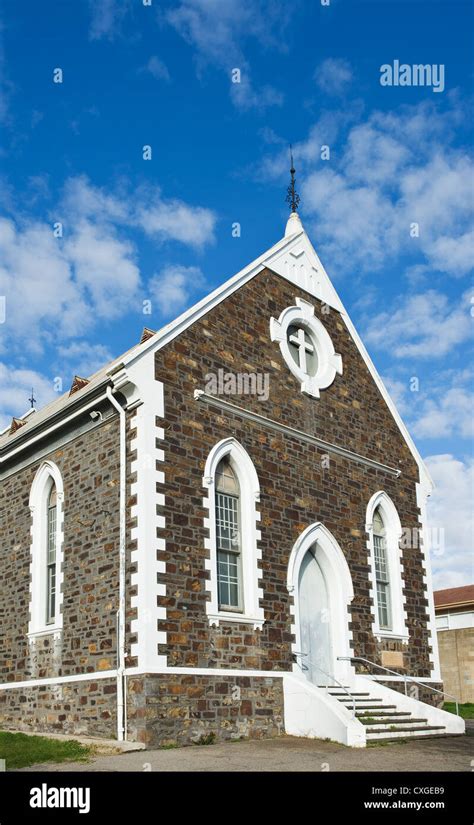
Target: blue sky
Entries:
(161, 229)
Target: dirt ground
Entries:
(287, 753)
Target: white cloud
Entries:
(450, 508)
(172, 288)
(104, 269)
(37, 281)
(157, 68)
(422, 326)
(106, 18)
(438, 406)
(174, 220)
(333, 76)
(60, 288)
(81, 358)
(16, 387)
(216, 31)
(392, 170)
(245, 96)
(146, 209)
(451, 413)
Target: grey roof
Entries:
(60, 404)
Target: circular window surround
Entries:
(329, 361)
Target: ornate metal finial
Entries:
(292, 197)
(32, 400)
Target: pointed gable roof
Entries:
(295, 259)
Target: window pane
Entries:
(51, 535)
(380, 554)
(228, 550)
(228, 579)
(378, 524)
(227, 522)
(226, 480)
(51, 558)
(51, 595)
(383, 604)
(382, 576)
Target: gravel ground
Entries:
(287, 753)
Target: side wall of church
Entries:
(87, 643)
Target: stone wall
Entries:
(80, 708)
(89, 465)
(184, 709)
(297, 486)
(456, 653)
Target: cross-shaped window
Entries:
(302, 349)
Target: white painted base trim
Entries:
(60, 680)
(152, 671)
(203, 671)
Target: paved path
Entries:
(288, 753)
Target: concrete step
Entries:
(388, 722)
(382, 713)
(342, 694)
(369, 706)
(405, 733)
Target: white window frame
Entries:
(250, 553)
(47, 474)
(329, 361)
(393, 534)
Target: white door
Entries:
(315, 631)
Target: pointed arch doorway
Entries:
(321, 584)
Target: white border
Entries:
(250, 552)
(393, 531)
(37, 626)
(340, 593)
(329, 362)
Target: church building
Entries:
(222, 533)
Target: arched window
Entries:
(46, 506)
(228, 538)
(51, 560)
(233, 492)
(382, 575)
(386, 568)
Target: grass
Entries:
(20, 750)
(466, 710)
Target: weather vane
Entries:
(292, 197)
(32, 400)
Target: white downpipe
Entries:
(121, 609)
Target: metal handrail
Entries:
(331, 676)
(405, 677)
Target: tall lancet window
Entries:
(51, 548)
(382, 573)
(228, 538)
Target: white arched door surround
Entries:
(334, 569)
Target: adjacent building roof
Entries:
(454, 597)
